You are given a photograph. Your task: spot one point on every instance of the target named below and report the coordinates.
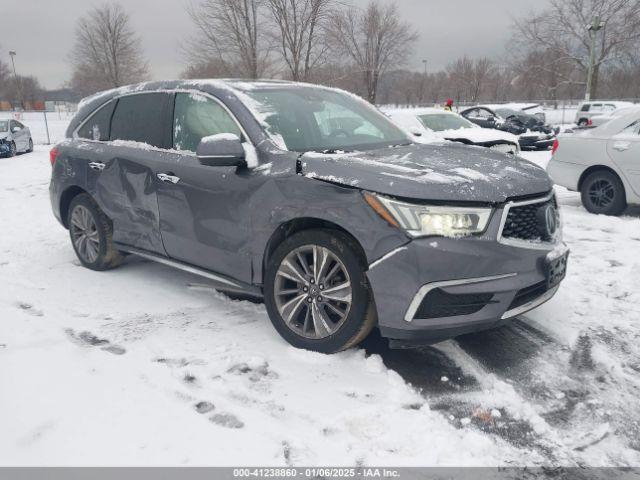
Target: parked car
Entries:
(588, 110)
(598, 120)
(14, 138)
(309, 198)
(602, 163)
(431, 124)
(534, 109)
(531, 132)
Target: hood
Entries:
(478, 135)
(4, 135)
(438, 172)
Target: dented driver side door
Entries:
(124, 176)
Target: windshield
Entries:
(4, 126)
(315, 119)
(444, 121)
(508, 112)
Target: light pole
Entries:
(423, 85)
(593, 28)
(15, 75)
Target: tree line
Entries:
(366, 50)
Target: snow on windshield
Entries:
(318, 119)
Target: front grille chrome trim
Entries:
(417, 299)
(525, 243)
(536, 302)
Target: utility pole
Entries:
(15, 75)
(593, 28)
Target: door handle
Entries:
(97, 166)
(168, 178)
(621, 146)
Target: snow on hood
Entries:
(431, 172)
(478, 135)
(4, 135)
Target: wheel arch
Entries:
(597, 168)
(65, 201)
(290, 227)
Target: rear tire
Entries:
(583, 122)
(603, 192)
(91, 234)
(334, 308)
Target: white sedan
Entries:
(602, 163)
(433, 125)
(14, 138)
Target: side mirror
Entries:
(415, 132)
(222, 150)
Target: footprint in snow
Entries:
(28, 308)
(189, 379)
(226, 420)
(88, 339)
(178, 362)
(204, 407)
(255, 372)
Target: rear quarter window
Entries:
(585, 107)
(96, 127)
(142, 118)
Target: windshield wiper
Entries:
(332, 151)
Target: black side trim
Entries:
(220, 281)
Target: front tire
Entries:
(12, 149)
(91, 234)
(316, 292)
(603, 192)
(30, 147)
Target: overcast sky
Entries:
(41, 31)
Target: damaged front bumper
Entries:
(433, 289)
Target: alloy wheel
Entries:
(313, 291)
(601, 193)
(84, 233)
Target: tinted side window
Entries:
(97, 125)
(196, 116)
(140, 118)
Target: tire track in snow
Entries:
(516, 382)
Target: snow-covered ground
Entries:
(145, 365)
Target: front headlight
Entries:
(428, 220)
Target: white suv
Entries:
(588, 110)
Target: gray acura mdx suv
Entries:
(310, 198)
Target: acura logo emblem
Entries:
(551, 219)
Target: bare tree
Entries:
(374, 39)
(29, 90)
(562, 28)
(107, 52)
(232, 33)
(300, 26)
